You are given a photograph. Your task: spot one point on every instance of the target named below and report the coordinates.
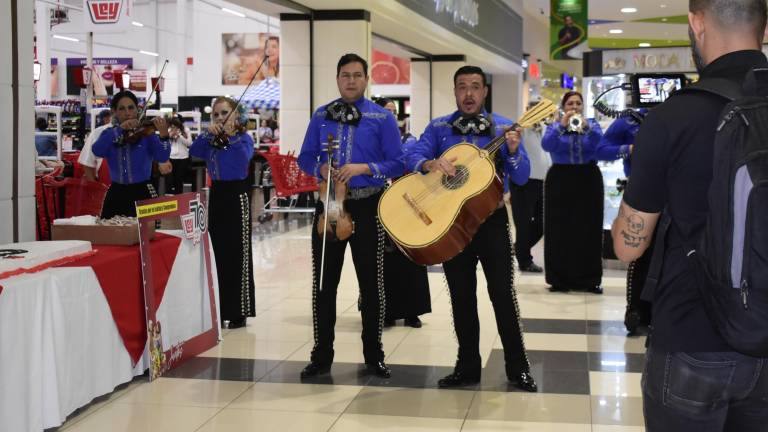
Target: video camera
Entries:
(646, 90)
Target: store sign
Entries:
(463, 11)
(103, 77)
(107, 15)
(648, 60)
(567, 29)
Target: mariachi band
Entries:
(353, 146)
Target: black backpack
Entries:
(732, 255)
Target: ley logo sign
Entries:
(107, 15)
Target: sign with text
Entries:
(105, 16)
(103, 76)
(184, 323)
(568, 29)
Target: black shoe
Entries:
(459, 379)
(632, 320)
(558, 288)
(524, 381)
(380, 369)
(531, 268)
(413, 321)
(389, 323)
(314, 369)
(236, 323)
(597, 289)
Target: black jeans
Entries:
(705, 392)
(492, 247)
(368, 255)
(528, 213)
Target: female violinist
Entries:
(229, 219)
(129, 150)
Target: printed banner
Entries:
(389, 69)
(54, 81)
(568, 29)
(106, 16)
(185, 323)
(103, 76)
(242, 53)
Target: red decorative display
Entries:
(388, 69)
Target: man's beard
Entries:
(698, 60)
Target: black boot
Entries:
(380, 369)
(413, 321)
(459, 378)
(314, 369)
(523, 381)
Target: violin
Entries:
(334, 222)
(147, 128)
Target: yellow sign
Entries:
(156, 209)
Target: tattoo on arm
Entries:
(633, 241)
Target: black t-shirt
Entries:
(672, 169)
(573, 34)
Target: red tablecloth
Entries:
(118, 269)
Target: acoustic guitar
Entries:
(432, 217)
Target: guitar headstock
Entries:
(537, 113)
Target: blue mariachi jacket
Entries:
(224, 164)
(439, 136)
(130, 163)
(577, 149)
(374, 141)
(621, 134)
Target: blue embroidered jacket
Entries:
(439, 136)
(224, 164)
(374, 141)
(621, 134)
(577, 149)
(130, 163)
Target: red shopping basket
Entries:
(287, 177)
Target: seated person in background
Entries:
(44, 144)
(87, 159)
(265, 132)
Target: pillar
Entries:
(421, 95)
(507, 95)
(443, 68)
(295, 77)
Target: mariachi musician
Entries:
(369, 153)
(230, 208)
(130, 164)
(492, 244)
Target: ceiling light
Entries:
(663, 6)
(137, 24)
(67, 38)
(150, 53)
(235, 13)
(664, 20)
(644, 45)
(615, 31)
(628, 10)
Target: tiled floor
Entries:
(588, 371)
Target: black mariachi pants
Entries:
(528, 213)
(492, 246)
(368, 256)
(121, 198)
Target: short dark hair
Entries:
(41, 123)
(469, 70)
(351, 58)
(382, 101)
(568, 95)
(735, 13)
(123, 94)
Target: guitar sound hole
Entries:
(458, 180)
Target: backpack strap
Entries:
(657, 259)
(721, 87)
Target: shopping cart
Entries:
(289, 181)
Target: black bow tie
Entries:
(343, 113)
(477, 125)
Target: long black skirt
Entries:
(406, 286)
(230, 228)
(121, 198)
(573, 226)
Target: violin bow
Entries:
(154, 88)
(329, 149)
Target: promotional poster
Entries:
(568, 29)
(242, 53)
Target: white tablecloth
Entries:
(59, 345)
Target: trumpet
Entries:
(576, 123)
